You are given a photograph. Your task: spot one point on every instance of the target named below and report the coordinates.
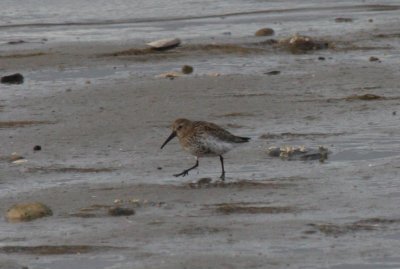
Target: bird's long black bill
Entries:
(169, 139)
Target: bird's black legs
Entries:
(186, 172)
(222, 165)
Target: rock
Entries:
(187, 69)
(37, 148)
(264, 32)
(374, 59)
(299, 43)
(321, 58)
(291, 153)
(19, 161)
(121, 211)
(302, 42)
(16, 78)
(27, 212)
(275, 72)
(165, 44)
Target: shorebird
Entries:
(203, 139)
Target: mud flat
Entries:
(99, 114)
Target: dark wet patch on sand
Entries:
(92, 211)
(370, 224)
(33, 54)
(145, 53)
(364, 97)
(223, 48)
(235, 114)
(183, 50)
(240, 208)
(55, 250)
(202, 230)
(208, 183)
(250, 94)
(353, 47)
(56, 169)
(22, 123)
(298, 135)
(391, 35)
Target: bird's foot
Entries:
(183, 174)
(222, 177)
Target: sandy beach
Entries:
(100, 114)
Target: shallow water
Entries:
(123, 20)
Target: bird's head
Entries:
(180, 127)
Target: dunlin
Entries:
(203, 139)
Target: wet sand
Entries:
(101, 119)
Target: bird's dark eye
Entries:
(179, 127)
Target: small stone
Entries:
(275, 72)
(187, 69)
(19, 161)
(27, 212)
(120, 211)
(164, 44)
(264, 32)
(37, 148)
(394, 113)
(16, 78)
(370, 20)
(374, 59)
(321, 58)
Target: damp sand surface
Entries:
(100, 115)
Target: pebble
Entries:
(16, 78)
(264, 32)
(121, 211)
(27, 212)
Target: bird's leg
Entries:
(222, 165)
(186, 172)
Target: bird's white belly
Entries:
(210, 146)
